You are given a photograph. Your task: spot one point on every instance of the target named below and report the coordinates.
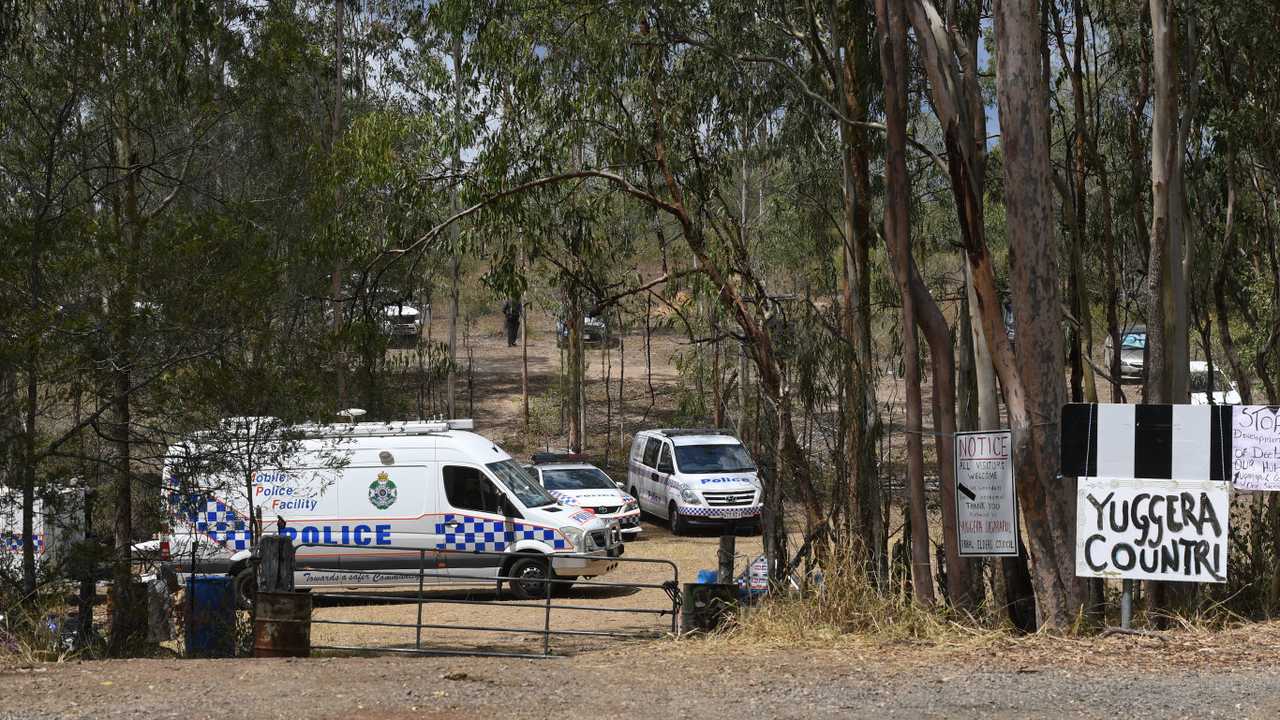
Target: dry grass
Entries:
(25, 633)
(847, 605)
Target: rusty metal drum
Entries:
(282, 624)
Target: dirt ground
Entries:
(1230, 674)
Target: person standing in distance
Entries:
(511, 309)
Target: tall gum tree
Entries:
(891, 29)
(1033, 375)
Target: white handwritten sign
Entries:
(1152, 529)
(1255, 447)
(986, 502)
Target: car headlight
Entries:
(689, 497)
(631, 506)
(577, 537)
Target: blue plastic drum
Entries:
(211, 616)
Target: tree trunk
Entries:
(1166, 366)
(966, 364)
(1083, 385)
(938, 335)
(573, 392)
(124, 625)
(622, 376)
(1220, 279)
(1034, 389)
(335, 281)
(524, 366)
(27, 472)
(892, 31)
(1112, 289)
(456, 252)
(860, 411)
(28, 476)
(988, 400)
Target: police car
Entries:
(581, 485)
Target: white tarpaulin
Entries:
(1152, 529)
(986, 502)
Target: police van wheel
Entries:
(679, 526)
(245, 583)
(528, 575)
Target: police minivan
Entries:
(404, 486)
(694, 477)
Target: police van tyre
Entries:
(245, 584)
(679, 526)
(528, 574)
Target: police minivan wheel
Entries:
(245, 584)
(679, 526)
(527, 576)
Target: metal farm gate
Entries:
(435, 589)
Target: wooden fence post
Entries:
(275, 571)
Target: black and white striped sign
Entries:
(1160, 442)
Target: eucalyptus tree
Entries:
(659, 133)
(42, 209)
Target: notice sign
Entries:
(1255, 447)
(986, 502)
(1152, 529)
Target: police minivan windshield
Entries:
(576, 479)
(713, 458)
(514, 477)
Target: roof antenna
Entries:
(351, 413)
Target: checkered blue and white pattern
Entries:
(563, 499)
(211, 518)
(13, 543)
(719, 512)
(466, 533)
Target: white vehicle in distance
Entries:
(581, 485)
(55, 528)
(417, 485)
(1224, 391)
(694, 477)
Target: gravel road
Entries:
(642, 680)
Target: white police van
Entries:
(415, 485)
(577, 483)
(694, 477)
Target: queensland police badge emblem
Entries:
(382, 492)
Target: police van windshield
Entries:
(713, 458)
(576, 479)
(514, 477)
